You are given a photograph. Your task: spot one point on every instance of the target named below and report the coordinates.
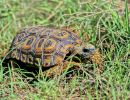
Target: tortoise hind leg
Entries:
(59, 69)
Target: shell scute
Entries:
(39, 46)
(50, 45)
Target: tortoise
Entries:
(48, 47)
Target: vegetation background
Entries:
(107, 24)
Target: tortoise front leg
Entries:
(59, 69)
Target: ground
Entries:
(106, 23)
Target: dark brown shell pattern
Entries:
(43, 46)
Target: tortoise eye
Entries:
(85, 50)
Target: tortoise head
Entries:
(85, 50)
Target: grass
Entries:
(108, 30)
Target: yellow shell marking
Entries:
(68, 46)
(48, 47)
(38, 47)
(47, 60)
(62, 35)
(63, 50)
(79, 42)
(28, 42)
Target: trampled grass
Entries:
(108, 29)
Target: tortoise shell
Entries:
(43, 46)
